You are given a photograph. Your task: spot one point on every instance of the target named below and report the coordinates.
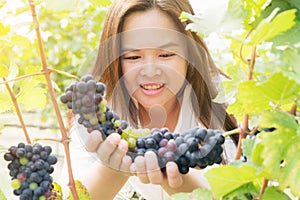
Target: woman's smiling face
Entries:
(153, 64)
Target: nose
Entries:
(150, 68)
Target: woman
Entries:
(157, 75)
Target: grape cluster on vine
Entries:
(198, 147)
(30, 168)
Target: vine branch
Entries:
(18, 111)
(53, 98)
(40, 73)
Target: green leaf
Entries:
(255, 98)
(225, 179)
(3, 71)
(229, 87)
(282, 121)
(6, 103)
(245, 192)
(4, 30)
(102, 3)
(57, 6)
(21, 41)
(279, 151)
(30, 90)
(273, 192)
(290, 37)
(57, 189)
(81, 190)
(247, 147)
(272, 26)
(197, 194)
(207, 23)
(292, 57)
(234, 16)
(2, 196)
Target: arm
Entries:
(103, 182)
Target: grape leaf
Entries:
(247, 147)
(81, 191)
(2, 196)
(273, 192)
(197, 194)
(56, 5)
(277, 90)
(225, 179)
(277, 146)
(3, 71)
(272, 26)
(292, 57)
(207, 22)
(229, 87)
(32, 95)
(4, 29)
(5, 101)
(102, 3)
(289, 37)
(245, 192)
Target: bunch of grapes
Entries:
(30, 168)
(196, 147)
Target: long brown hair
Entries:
(200, 71)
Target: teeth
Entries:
(152, 87)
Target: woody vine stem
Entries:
(47, 72)
(245, 124)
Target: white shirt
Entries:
(81, 160)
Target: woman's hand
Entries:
(111, 151)
(148, 171)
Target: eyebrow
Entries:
(163, 46)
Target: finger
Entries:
(132, 169)
(92, 141)
(115, 159)
(141, 169)
(153, 170)
(108, 146)
(126, 164)
(174, 177)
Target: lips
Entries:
(152, 89)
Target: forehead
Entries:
(152, 38)
(151, 29)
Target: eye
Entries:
(166, 55)
(132, 57)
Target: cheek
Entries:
(129, 77)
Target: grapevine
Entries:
(197, 147)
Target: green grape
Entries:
(117, 123)
(33, 185)
(42, 197)
(102, 105)
(16, 184)
(131, 142)
(23, 161)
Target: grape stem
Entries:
(232, 132)
(19, 113)
(293, 109)
(47, 73)
(263, 188)
(245, 124)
